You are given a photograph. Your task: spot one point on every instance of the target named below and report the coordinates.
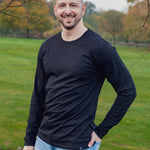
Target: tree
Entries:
(90, 8)
(12, 22)
(148, 11)
(111, 22)
(31, 17)
(51, 12)
(7, 5)
(133, 21)
(37, 17)
(89, 16)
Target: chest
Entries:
(73, 60)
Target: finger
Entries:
(97, 139)
(91, 143)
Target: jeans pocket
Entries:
(97, 145)
(98, 142)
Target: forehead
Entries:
(68, 1)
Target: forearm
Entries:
(34, 121)
(117, 111)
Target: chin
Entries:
(69, 27)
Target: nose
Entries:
(68, 10)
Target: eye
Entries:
(61, 5)
(73, 5)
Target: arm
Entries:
(37, 103)
(110, 64)
(28, 148)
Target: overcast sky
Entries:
(120, 5)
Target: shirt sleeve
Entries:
(112, 67)
(37, 103)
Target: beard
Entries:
(70, 24)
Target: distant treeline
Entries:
(36, 19)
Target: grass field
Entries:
(17, 71)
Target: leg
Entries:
(41, 145)
(57, 148)
(96, 146)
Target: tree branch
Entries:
(10, 4)
(9, 14)
(4, 8)
(147, 16)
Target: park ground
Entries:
(17, 70)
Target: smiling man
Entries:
(72, 14)
(71, 69)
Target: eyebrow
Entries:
(69, 3)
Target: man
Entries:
(71, 69)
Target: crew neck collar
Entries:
(81, 37)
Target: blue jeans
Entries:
(41, 145)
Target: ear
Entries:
(83, 9)
(54, 7)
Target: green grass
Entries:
(17, 71)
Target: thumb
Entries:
(91, 142)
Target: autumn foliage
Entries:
(133, 20)
(30, 17)
(35, 18)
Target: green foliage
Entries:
(90, 8)
(111, 22)
(89, 18)
(51, 12)
(132, 1)
(18, 64)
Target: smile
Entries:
(68, 16)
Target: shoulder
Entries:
(99, 47)
(46, 45)
(50, 41)
(96, 39)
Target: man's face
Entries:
(69, 12)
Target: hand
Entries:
(93, 139)
(28, 148)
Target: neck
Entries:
(75, 33)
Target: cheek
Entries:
(79, 12)
(59, 12)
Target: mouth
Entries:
(68, 17)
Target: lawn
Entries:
(17, 71)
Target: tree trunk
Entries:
(114, 39)
(27, 33)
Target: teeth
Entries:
(68, 17)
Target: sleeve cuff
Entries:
(100, 131)
(29, 142)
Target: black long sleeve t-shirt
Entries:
(69, 77)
